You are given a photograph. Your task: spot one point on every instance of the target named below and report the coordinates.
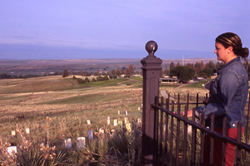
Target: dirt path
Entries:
(186, 84)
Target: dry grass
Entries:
(28, 102)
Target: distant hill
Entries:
(89, 65)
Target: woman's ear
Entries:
(229, 49)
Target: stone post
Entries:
(151, 66)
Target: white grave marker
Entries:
(126, 120)
(115, 122)
(80, 142)
(126, 112)
(139, 120)
(90, 134)
(11, 149)
(27, 131)
(88, 122)
(118, 112)
(68, 143)
(108, 121)
(139, 108)
(13, 133)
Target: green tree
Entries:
(191, 65)
(118, 72)
(210, 65)
(183, 73)
(86, 79)
(127, 72)
(219, 65)
(166, 71)
(65, 73)
(131, 69)
(171, 66)
(207, 72)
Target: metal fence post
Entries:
(151, 66)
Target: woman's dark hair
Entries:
(231, 39)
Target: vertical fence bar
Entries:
(161, 132)
(197, 99)
(166, 132)
(202, 139)
(188, 101)
(178, 132)
(171, 135)
(224, 133)
(246, 128)
(151, 67)
(211, 141)
(193, 149)
(185, 137)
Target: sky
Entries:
(80, 29)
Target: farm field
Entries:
(25, 103)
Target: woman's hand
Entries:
(205, 101)
(189, 113)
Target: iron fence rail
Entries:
(166, 115)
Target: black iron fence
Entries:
(169, 137)
(178, 146)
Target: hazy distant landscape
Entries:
(44, 67)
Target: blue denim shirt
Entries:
(228, 95)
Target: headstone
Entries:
(13, 133)
(139, 120)
(80, 142)
(115, 122)
(139, 108)
(11, 150)
(126, 112)
(108, 121)
(126, 120)
(27, 131)
(118, 112)
(68, 143)
(88, 122)
(90, 134)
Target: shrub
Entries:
(80, 81)
(86, 79)
(65, 73)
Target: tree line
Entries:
(112, 74)
(199, 69)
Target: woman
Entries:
(227, 96)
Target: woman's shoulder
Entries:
(236, 67)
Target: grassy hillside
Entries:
(69, 105)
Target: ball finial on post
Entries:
(151, 47)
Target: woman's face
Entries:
(221, 52)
